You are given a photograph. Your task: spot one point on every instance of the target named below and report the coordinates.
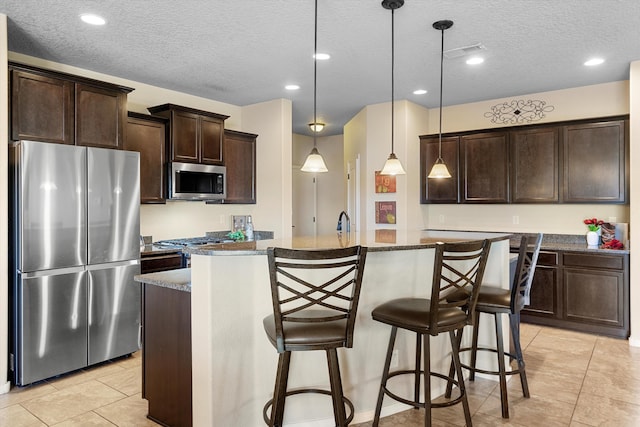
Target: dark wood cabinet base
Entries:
(166, 355)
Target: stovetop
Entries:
(192, 241)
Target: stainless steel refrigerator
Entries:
(75, 227)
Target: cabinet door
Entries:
(594, 296)
(211, 140)
(100, 116)
(534, 165)
(240, 159)
(545, 299)
(185, 143)
(594, 162)
(484, 163)
(148, 138)
(42, 108)
(439, 190)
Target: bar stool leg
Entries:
(280, 389)
(474, 346)
(426, 354)
(418, 361)
(385, 375)
(514, 320)
(452, 368)
(455, 354)
(336, 388)
(501, 365)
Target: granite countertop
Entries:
(567, 242)
(374, 240)
(159, 250)
(179, 279)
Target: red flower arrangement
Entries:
(613, 244)
(593, 223)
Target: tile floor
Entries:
(574, 379)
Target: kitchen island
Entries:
(233, 363)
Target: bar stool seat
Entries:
(498, 301)
(315, 296)
(456, 266)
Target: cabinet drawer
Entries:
(160, 263)
(614, 262)
(548, 258)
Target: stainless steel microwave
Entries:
(191, 181)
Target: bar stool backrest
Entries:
(314, 286)
(457, 267)
(525, 268)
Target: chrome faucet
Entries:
(346, 217)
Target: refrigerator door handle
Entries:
(102, 266)
(54, 272)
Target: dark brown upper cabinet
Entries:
(61, 108)
(101, 115)
(195, 136)
(240, 160)
(439, 190)
(595, 165)
(42, 108)
(147, 135)
(535, 165)
(484, 162)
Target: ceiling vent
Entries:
(464, 51)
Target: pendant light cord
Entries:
(315, 70)
(392, 77)
(441, 80)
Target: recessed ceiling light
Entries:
(594, 61)
(322, 56)
(92, 19)
(292, 87)
(419, 92)
(475, 60)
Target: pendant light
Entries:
(315, 162)
(439, 169)
(392, 166)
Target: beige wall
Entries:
(634, 92)
(4, 132)
(368, 134)
(330, 185)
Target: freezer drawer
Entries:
(114, 310)
(51, 324)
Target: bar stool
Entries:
(456, 266)
(496, 301)
(315, 297)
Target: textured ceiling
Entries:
(245, 51)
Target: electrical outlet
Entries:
(221, 219)
(394, 359)
(613, 219)
(516, 219)
(441, 219)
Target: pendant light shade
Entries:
(392, 166)
(439, 169)
(315, 162)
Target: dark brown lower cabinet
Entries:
(166, 355)
(545, 290)
(587, 292)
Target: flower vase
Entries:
(593, 239)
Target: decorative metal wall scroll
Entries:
(518, 111)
